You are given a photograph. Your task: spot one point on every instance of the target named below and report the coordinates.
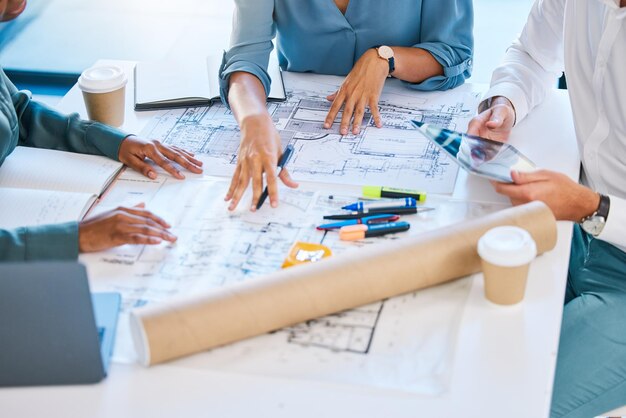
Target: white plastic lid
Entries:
(102, 79)
(507, 246)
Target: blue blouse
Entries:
(314, 36)
(28, 123)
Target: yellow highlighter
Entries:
(378, 192)
(305, 252)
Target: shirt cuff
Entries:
(514, 94)
(243, 66)
(614, 231)
(106, 138)
(51, 242)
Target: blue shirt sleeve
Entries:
(446, 32)
(25, 122)
(47, 242)
(43, 127)
(251, 43)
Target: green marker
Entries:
(378, 192)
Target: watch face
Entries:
(593, 225)
(385, 52)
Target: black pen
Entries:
(391, 211)
(281, 164)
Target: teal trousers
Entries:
(591, 365)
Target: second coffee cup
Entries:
(506, 253)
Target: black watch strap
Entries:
(604, 207)
(392, 64)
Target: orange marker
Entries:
(357, 232)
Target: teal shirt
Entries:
(28, 123)
(314, 36)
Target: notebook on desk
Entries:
(42, 186)
(53, 331)
(189, 83)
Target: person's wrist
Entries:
(498, 101)
(589, 203)
(373, 58)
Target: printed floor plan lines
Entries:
(394, 155)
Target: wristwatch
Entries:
(594, 224)
(386, 53)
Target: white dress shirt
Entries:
(587, 39)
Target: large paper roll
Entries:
(191, 324)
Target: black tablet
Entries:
(481, 156)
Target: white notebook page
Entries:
(31, 207)
(34, 168)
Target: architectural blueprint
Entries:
(394, 155)
(402, 343)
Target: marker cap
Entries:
(353, 232)
(377, 192)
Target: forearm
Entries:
(415, 65)
(43, 127)
(534, 61)
(47, 242)
(246, 96)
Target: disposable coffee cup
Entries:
(104, 91)
(506, 253)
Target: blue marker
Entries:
(367, 220)
(407, 202)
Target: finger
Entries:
(180, 159)
(497, 118)
(138, 239)
(359, 112)
(148, 231)
(331, 97)
(285, 177)
(375, 113)
(184, 151)
(145, 214)
(334, 110)
(272, 185)
(189, 155)
(478, 122)
(257, 183)
(242, 185)
(141, 166)
(513, 191)
(155, 155)
(348, 111)
(520, 177)
(233, 183)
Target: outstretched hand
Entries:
(258, 154)
(122, 226)
(360, 89)
(134, 151)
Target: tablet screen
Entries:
(480, 156)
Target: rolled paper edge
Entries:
(167, 316)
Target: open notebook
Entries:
(40, 186)
(193, 82)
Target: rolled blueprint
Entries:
(191, 324)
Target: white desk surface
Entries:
(504, 361)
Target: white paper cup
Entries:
(506, 253)
(104, 91)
